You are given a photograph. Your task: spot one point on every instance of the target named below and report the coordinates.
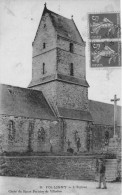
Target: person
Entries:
(101, 173)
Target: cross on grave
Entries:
(115, 110)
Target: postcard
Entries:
(60, 97)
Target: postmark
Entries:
(105, 54)
(104, 25)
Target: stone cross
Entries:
(115, 110)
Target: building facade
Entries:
(58, 70)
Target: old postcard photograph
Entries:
(60, 97)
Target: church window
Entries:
(71, 47)
(106, 137)
(11, 128)
(43, 71)
(44, 45)
(44, 25)
(71, 70)
(41, 134)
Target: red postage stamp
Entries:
(104, 26)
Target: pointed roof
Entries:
(64, 27)
(16, 101)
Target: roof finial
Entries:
(72, 17)
(45, 5)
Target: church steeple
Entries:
(58, 71)
(59, 55)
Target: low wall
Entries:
(60, 167)
(57, 167)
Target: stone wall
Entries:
(72, 96)
(20, 134)
(18, 139)
(58, 167)
(97, 137)
(45, 34)
(63, 44)
(49, 59)
(73, 130)
(100, 139)
(65, 95)
(64, 59)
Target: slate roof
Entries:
(16, 101)
(103, 113)
(64, 27)
(74, 114)
(60, 77)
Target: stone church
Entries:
(54, 114)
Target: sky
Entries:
(19, 21)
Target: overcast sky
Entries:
(19, 20)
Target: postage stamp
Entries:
(104, 25)
(105, 54)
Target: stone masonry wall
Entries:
(49, 59)
(28, 134)
(57, 167)
(64, 44)
(20, 142)
(72, 96)
(98, 138)
(45, 34)
(65, 95)
(74, 129)
(64, 59)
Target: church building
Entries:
(54, 114)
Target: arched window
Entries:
(11, 128)
(41, 134)
(71, 47)
(71, 70)
(43, 68)
(106, 137)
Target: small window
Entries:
(71, 70)
(44, 45)
(43, 71)
(44, 25)
(11, 127)
(106, 137)
(41, 134)
(71, 47)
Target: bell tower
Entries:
(58, 65)
(58, 69)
